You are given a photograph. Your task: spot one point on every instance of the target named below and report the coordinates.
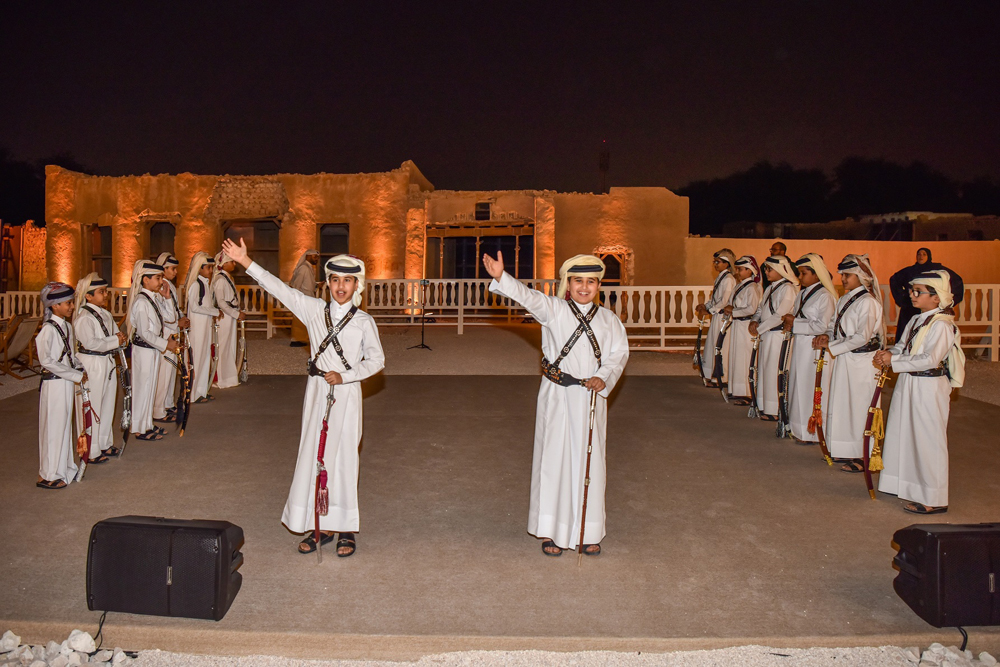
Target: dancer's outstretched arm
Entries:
(291, 298)
(541, 307)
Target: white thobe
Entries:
(915, 453)
(852, 379)
(202, 312)
(562, 417)
(167, 376)
(745, 300)
(776, 302)
(228, 302)
(304, 280)
(363, 351)
(145, 318)
(101, 380)
(722, 291)
(55, 402)
(814, 308)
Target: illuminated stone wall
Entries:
(374, 205)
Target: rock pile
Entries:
(77, 649)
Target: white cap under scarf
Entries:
(580, 265)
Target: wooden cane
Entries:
(586, 476)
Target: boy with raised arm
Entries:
(345, 349)
(585, 350)
(228, 302)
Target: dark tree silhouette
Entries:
(866, 187)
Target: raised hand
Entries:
(237, 252)
(494, 267)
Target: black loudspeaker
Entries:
(164, 567)
(948, 572)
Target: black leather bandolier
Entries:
(770, 304)
(66, 353)
(872, 345)
(551, 371)
(939, 370)
(331, 337)
(736, 294)
(235, 302)
(136, 339)
(104, 329)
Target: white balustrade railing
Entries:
(656, 318)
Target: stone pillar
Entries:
(295, 237)
(126, 249)
(545, 238)
(416, 228)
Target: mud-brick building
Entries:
(396, 221)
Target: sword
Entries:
(86, 438)
(125, 380)
(698, 361)
(874, 431)
(586, 476)
(816, 418)
(322, 507)
(783, 429)
(242, 354)
(215, 356)
(717, 371)
(753, 412)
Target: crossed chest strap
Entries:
(331, 338)
(770, 303)
(67, 352)
(551, 371)
(136, 339)
(104, 330)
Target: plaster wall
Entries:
(975, 261)
(650, 222)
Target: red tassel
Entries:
(323, 495)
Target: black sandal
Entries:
(768, 418)
(549, 544)
(587, 550)
(150, 436)
(113, 451)
(853, 466)
(205, 399)
(103, 458)
(53, 484)
(920, 508)
(310, 542)
(346, 541)
(742, 402)
(165, 420)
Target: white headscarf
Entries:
(347, 265)
(302, 259)
(580, 265)
(220, 259)
(199, 260)
(861, 266)
(816, 263)
(749, 262)
(729, 257)
(783, 267)
(89, 283)
(941, 282)
(142, 268)
(53, 293)
(166, 259)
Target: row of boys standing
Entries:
(850, 329)
(84, 353)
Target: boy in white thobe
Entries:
(202, 315)
(345, 350)
(857, 332)
(144, 324)
(594, 361)
(722, 290)
(163, 400)
(767, 322)
(744, 303)
(811, 314)
(930, 361)
(228, 302)
(304, 280)
(99, 339)
(61, 372)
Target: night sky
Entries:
(496, 96)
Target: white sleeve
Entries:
(192, 301)
(785, 299)
(816, 316)
(541, 307)
(373, 359)
(50, 348)
(862, 321)
(145, 323)
(614, 359)
(721, 296)
(291, 298)
(223, 295)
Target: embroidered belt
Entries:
(742, 319)
(141, 343)
(932, 373)
(871, 346)
(559, 377)
(48, 375)
(97, 354)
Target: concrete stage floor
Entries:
(718, 533)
